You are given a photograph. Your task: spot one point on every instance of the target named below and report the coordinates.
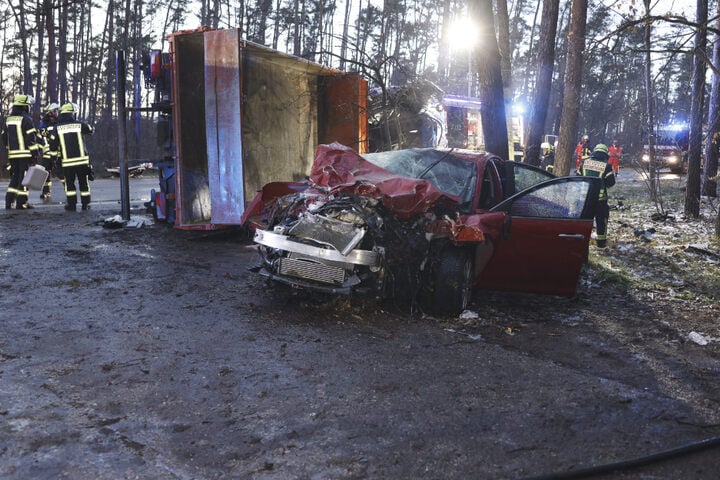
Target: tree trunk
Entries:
(506, 70)
(39, 20)
(296, 33)
(712, 143)
(110, 65)
(517, 16)
(215, 14)
(276, 27)
(556, 107)
(654, 182)
(52, 80)
(21, 20)
(692, 191)
(573, 84)
(265, 8)
(344, 42)
(444, 50)
(62, 55)
(543, 81)
(492, 110)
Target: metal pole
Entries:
(122, 135)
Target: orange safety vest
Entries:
(581, 153)
(615, 153)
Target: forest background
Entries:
(611, 69)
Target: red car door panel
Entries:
(546, 242)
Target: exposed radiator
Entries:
(310, 270)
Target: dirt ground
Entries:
(153, 353)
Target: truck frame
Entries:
(236, 115)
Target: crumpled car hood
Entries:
(340, 169)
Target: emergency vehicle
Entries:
(671, 148)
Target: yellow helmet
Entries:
(68, 108)
(600, 147)
(23, 100)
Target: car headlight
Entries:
(673, 159)
(645, 157)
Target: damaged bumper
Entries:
(320, 268)
(282, 242)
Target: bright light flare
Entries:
(519, 108)
(464, 34)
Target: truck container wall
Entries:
(245, 115)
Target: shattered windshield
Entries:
(450, 174)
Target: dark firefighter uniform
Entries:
(20, 137)
(66, 139)
(47, 124)
(598, 165)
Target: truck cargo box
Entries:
(244, 115)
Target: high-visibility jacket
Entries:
(581, 153)
(20, 136)
(66, 139)
(597, 165)
(49, 155)
(615, 153)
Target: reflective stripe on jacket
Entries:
(70, 145)
(20, 135)
(599, 166)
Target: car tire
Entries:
(453, 277)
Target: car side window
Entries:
(526, 176)
(556, 200)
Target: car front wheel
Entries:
(453, 277)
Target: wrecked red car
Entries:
(424, 225)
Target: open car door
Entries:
(546, 238)
(517, 176)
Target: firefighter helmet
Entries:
(600, 147)
(585, 138)
(23, 100)
(68, 108)
(52, 106)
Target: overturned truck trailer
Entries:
(244, 115)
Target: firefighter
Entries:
(582, 151)
(66, 139)
(615, 153)
(598, 165)
(47, 123)
(20, 137)
(548, 156)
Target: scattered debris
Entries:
(118, 222)
(471, 336)
(661, 217)
(114, 222)
(698, 338)
(468, 315)
(137, 222)
(645, 235)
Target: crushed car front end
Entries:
(358, 227)
(321, 245)
(343, 243)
